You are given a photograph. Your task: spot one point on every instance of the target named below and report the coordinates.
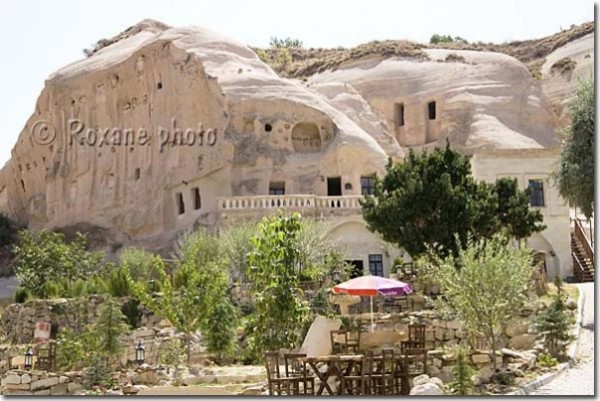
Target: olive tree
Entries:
(484, 286)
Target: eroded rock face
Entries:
(479, 100)
(141, 137)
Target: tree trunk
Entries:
(493, 337)
(189, 346)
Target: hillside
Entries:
(307, 62)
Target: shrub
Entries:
(546, 360)
(220, 332)
(286, 43)
(97, 373)
(75, 350)
(115, 282)
(504, 378)
(21, 295)
(132, 312)
(462, 371)
(263, 56)
(171, 353)
(553, 323)
(110, 328)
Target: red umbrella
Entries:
(372, 286)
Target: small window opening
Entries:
(23, 185)
(347, 186)
(137, 173)
(180, 204)
(431, 109)
(400, 114)
(277, 188)
(159, 85)
(197, 198)
(268, 127)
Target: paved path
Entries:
(578, 380)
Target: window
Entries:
(536, 198)
(376, 265)
(431, 109)
(277, 188)
(196, 197)
(400, 114)
(137, 173)
(367, 185)
(180, 204)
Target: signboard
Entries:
(41, 333)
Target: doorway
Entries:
(334, 186)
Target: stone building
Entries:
(164, 129)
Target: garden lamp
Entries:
(140, 353)
(28, 359)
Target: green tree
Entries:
(220, 333)
(198, 285)
(236, 245)
(274, 276)
(138, 261)
(483, 287)
(575, 176)
(110, 328)
(431, 197)
(44, 255)
(553, 323)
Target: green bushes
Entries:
(553, 323)
(463, 372)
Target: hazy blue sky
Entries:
(42, 36)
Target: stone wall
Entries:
(22, 382)
(18, 320)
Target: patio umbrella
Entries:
(372, 286)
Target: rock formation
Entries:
(138, 140)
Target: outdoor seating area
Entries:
(349, 370)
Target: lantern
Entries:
(140, 353)
(29, 359)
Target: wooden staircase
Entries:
(582, 253)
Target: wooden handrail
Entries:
(580, 234)
(577, 267)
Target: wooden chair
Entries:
(383, 377)
(353, 341)
(46, 356)
(294, 368)
(416, 337)
(278, 384)
(412, 363)
(338, 347)
(358, 381)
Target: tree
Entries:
(220, 334)
(431, 197)
(462, 372)
(110, 328)
(575, 176)
(274, 275)
(236, 244)
(199, 283)
(553, 323)
(286, 43)
(44, 255)
(483, 287)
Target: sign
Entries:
(41, 333)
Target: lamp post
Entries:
(140, 353)
(336, 276)
(28, 359)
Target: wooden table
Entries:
(337, 366)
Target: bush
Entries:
(21, 295)
(131, 310)
(546, 360)
(462, 371)
(220, 333)
(97, 373)
(503, 378)
(553, 323)
(171, 353)
(286, 43)
(75, 350)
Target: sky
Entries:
(43, 36)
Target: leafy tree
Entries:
(75, 350)
(436, 38)
(274, 276)
(236, 244)
(575, 176)
(110, 327)
(483, 287)
(138, 261)
(431, 197)
(44, 255)
(220, 333)
(553, 323)
(198, 285)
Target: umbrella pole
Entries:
(372, 324)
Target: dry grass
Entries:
(307, 62)
(563, 65)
